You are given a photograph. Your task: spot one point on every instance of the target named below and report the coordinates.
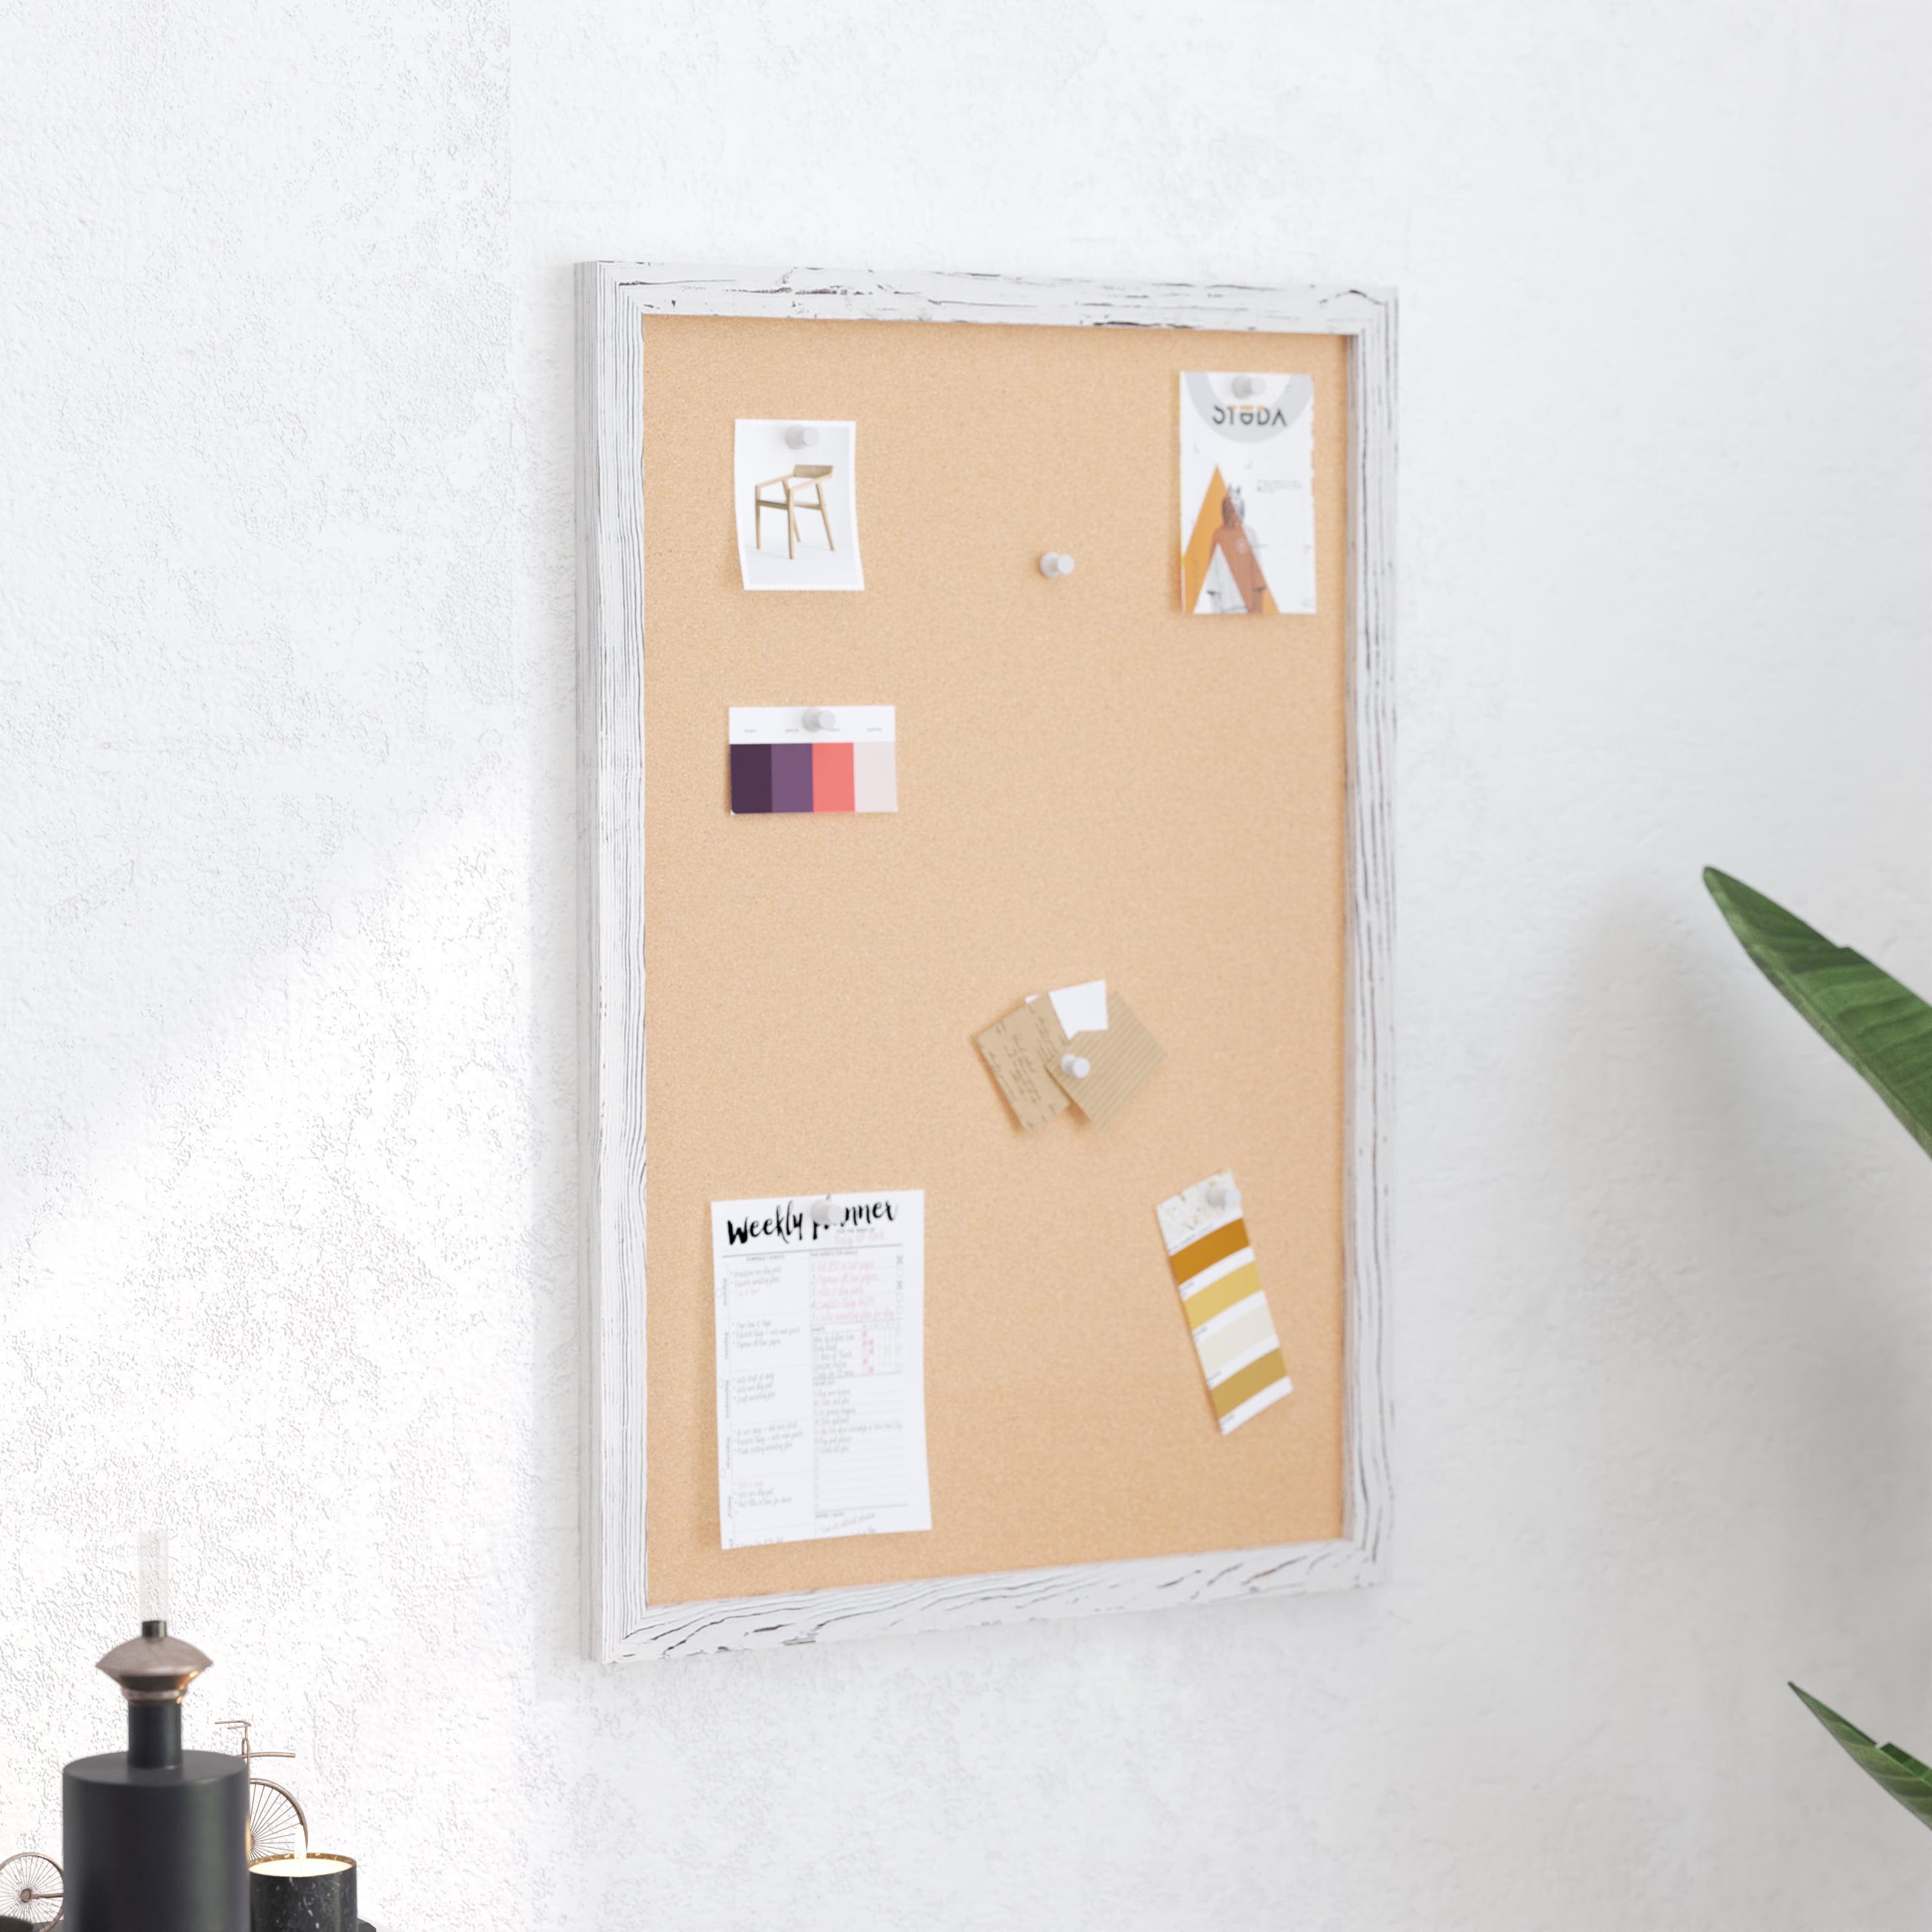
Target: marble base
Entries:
(310, 1901)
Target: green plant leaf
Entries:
(1901, 1774)
(1884, 1029)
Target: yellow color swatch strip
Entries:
(1241, 1387)
(1221, 1294)
(1198, 1256)
(1233, 1342)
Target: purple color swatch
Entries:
(751, 778)
(791, 777)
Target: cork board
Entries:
(1091, 783)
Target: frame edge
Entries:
(613, 299)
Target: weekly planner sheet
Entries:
(821, 1366)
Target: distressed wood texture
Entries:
(613, 299)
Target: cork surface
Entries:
(1091, 784)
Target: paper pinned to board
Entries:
(1247, 494)
(1214, 1267)
(1120, 1060)
(797, 503)
(821, 1366)
(787, 758)
(1026, 1050)
(1015, 1051)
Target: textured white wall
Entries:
(287, 1068)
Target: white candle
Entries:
(294, 1867)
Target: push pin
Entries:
(1056, 563)
(1074, 1067)
(1220, 1195)
(821, 1212)
(801, 435)
(818, 719)
(1248, 385)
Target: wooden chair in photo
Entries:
(805, 477)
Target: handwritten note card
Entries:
(1082, 1043)
(1015, 1051)
(821, 1367)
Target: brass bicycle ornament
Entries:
(30, 1888)
(278, 1826)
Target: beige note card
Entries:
(1016, 1052)
(1120, 1060)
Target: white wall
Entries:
(286, 1067)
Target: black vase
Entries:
(153, 1839)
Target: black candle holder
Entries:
(314, 1891)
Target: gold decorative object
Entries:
(30, 1888)
(278, 1827)
(153, 1668)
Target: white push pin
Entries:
(816, 718)
(1074, 1067)
(1220, 1195)
(1248, 385)
(1056, 563)
(801, 435)
(821, 1212)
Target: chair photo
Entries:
(805, 477)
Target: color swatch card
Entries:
(1247, 494)
(1221, 1293)
(796, 488)
(841, 758)
(821, 1366)
(1083, 1044)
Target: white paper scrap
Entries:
(1082, 1008)
(821, 1366)
(784, 724)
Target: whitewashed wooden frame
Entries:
(613, 299)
